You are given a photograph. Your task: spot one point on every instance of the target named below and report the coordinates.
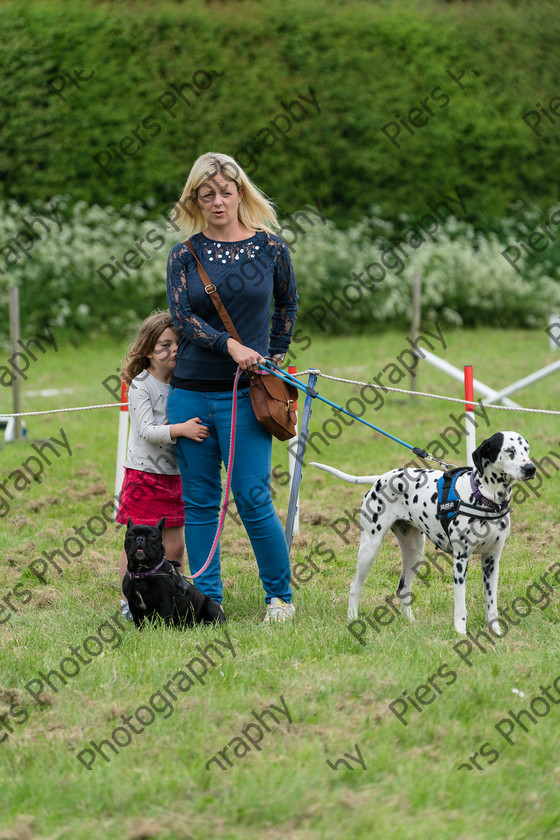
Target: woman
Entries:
(232, 223)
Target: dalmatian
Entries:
(406, 501)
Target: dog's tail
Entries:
(353, 479)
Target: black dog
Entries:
(154, 587)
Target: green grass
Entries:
(337, 690)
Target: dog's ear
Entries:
(489, 449)
(130, 523)
(161, 524)
(477, 458)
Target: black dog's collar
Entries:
(140, 575)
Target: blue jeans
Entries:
(200, 465)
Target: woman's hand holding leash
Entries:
(248, 359)
(244, 356)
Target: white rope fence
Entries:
(324, 376)
(425, 394)
(59, 410)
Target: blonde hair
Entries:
(255, 211)
(136, 359)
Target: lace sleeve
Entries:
(189, 325)
(285, 300)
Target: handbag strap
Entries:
(212, 291)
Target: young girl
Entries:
(152, 485)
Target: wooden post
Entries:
(14, 339)
(416, 320)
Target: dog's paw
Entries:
(461, 625)
(494, 626)
(407, 612)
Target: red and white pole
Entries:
(292, 458)
(470, 428)
(122, 441)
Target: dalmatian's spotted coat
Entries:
(405, 501)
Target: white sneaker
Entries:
(125, 610)
(279, 610)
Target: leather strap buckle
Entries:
(210, 289)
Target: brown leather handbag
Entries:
(273, 399)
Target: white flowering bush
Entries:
(59, 281)
(465, 279)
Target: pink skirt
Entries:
(148, 497)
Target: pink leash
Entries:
(228, 481)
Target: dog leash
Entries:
(228, 479)
(311, 392)
(270, 367)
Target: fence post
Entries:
(14, 340)
(292, 370)
(121, 441)
(416, 321)
(470, 432)
(296, 479)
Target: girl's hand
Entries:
(244, 356)
(190, 429)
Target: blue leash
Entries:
(311, 392)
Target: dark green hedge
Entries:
(364, 62)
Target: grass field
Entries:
(333, 690)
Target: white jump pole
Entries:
(122, 441)
(489, 393)
(527, 380)
(292, 458)
(470, 433)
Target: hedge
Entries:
(454, 79)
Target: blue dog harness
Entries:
(449, 503)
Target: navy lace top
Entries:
(255, 279)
